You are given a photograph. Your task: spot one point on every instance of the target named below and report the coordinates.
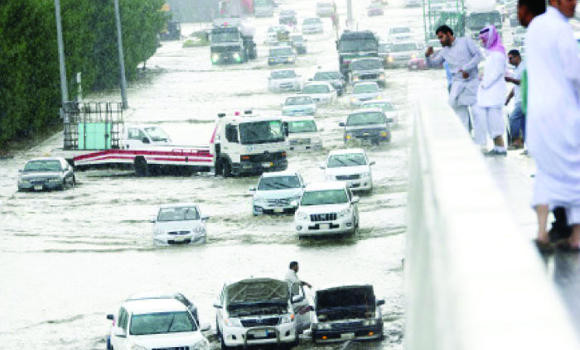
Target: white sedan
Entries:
(179, 224)
(321, 92)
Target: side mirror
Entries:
(342, 124)
(355, 199)
(204, 327)
(204, 218)
(217, 306)
(323, 167)
(154, 220)
(380, 302)
(20, 170)
(119, 332)
(297, 298)
(372, 163)
(110, 317)
(145, 140)
(390, 120)
(252, 189)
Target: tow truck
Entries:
(96, 136)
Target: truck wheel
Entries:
(226, 168)
(141, 167)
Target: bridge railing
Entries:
(473, 280)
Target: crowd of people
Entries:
(546, 114)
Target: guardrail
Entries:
(473, 281)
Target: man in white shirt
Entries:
(292, 277)
(553, 118)
(517, 118)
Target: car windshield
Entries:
(283, 74)
(385, 106)
(400, 30)
(354, 45)
(224, 37)
(316, 89)
(42, 165)
(324, 197)
(261, 132)
(298, 126)
(284, 51)
(311, 21)
(366, 64)
(178, 214)
(162, 322)
(365, 88)
(298, 101)
(365, 118)
(157, 134)
(278, 183)
(324, 76)
(347, 159)
(404, 47)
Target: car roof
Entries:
(143, 306)
(280, 173)
(46, 158)
(177, 205)
(300, 119)
(366, 110)
(153, 295)
(346, 151)
(327, 185)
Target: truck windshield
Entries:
(477, 21)
(178, 214)
(261, 132)
(299, 126)
(225, 37)
(355, 45)
(278, 183)
(42, 165)
(162, 322)
(286, 51)
(324, 197)
(348, 159)
(157, 134)
(366, 119)
(366, 64)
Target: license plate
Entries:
(324, 226)
(260, 334)
(278, 210)
(179, 239)
(38, 187)
(366, 134)
(267, 164)
(347, 336)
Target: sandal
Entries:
(544, 247)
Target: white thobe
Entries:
(553, 120)
(292, 280)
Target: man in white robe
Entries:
(553, 124)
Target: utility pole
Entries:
(348, 13)
(63, 83)
(121, 57)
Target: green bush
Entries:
(29, 79)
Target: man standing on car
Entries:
(462, 55)
(292, 277)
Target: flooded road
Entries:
(69, 258)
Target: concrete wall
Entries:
(473, 281)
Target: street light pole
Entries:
(348, 13)
(63, 83)
(121, 56)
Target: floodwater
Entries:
(69, 258)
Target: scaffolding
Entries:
(439, 12)
(92, 125)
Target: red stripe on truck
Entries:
(134, 153)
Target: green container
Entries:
(94, 136)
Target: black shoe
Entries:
(495, 153)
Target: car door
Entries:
(353, 205)
(120, 331)
(219, 310)
(301, 307)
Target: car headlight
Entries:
(199, 230)
(215, 57)
(378, 97)
(23, 181)
(286, 319)
(390, 59)
(381, 76)
(413, 56)
(370, 322)
(203, 344)
(291, 59)
(365, 175)
(300, 215)
(344, 212)
(138, 347)
(259, 201)
(353, 99)
(347, 136)
(233, 322)
(384, 133)
(355, 78)
(321, 326)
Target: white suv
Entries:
(351, 166)
(277, 193)
(180, 223)
(259, 311)
(327, 208)
(165, 323)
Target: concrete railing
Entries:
(473, 281)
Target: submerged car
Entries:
(281, 55)
(399, 33)
(156, 323)
(350, 166)
(288, 17)
(401, 53)
(327, 208)
(367, 124)
(386, 106)
(299, 43)
(375, 9)
(303, 134)
(298, 106)
(277, 193)
(41, 174)
(277, 34)
(260, 311)
(321, 92)
(347, 313)
(284, 80)
(362, 92)
(312, 25)
(335, 79)
(368, 69)
(180, 223)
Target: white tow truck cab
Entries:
(249, 144)
(143, 137)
